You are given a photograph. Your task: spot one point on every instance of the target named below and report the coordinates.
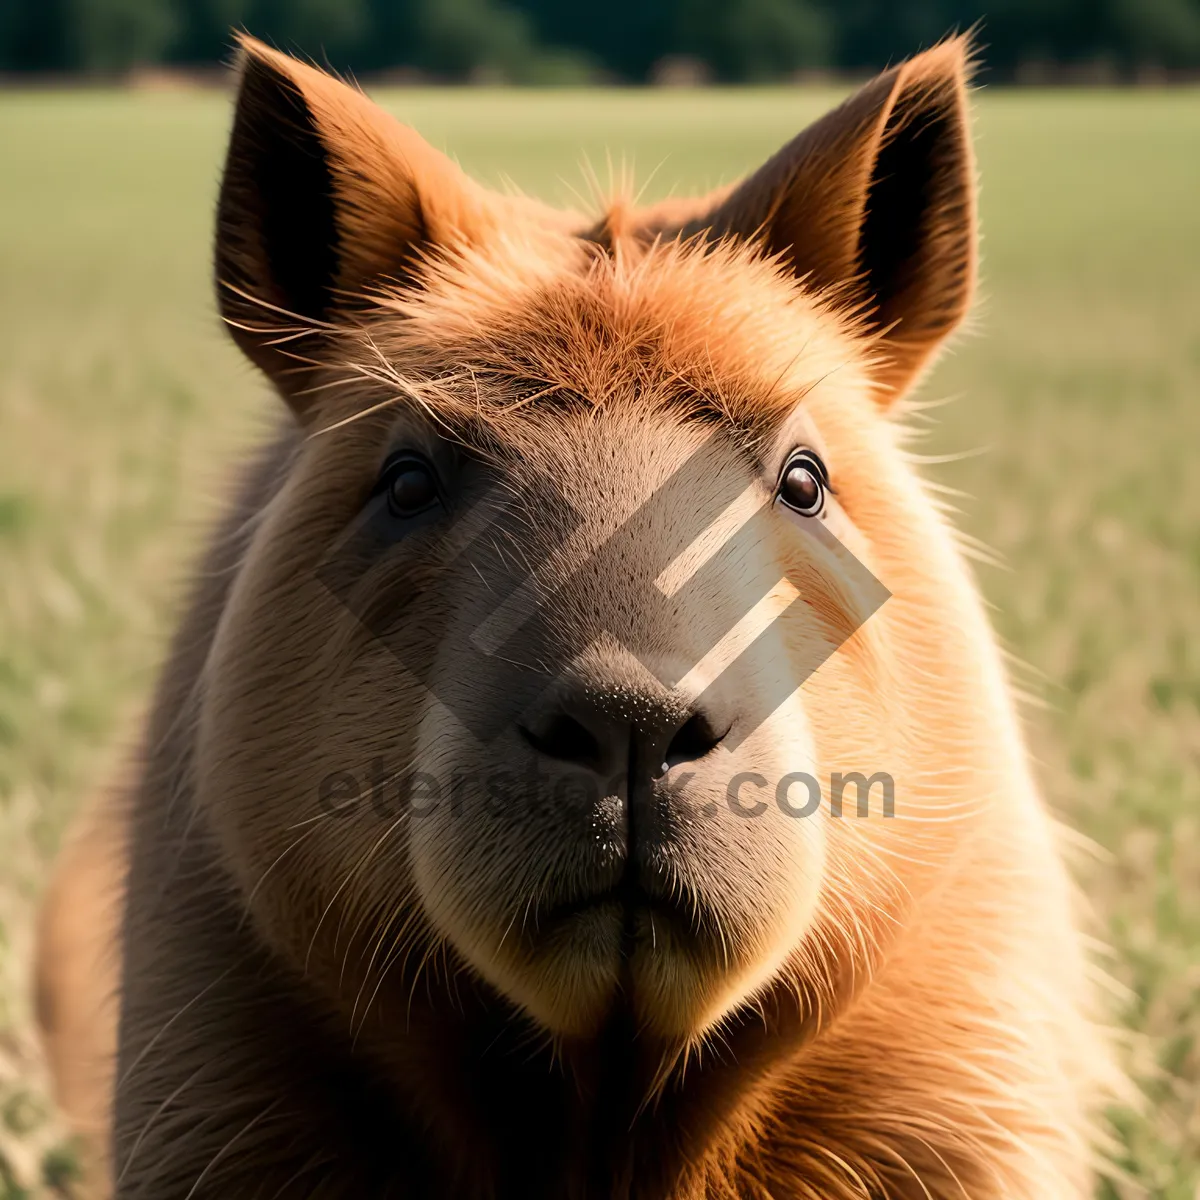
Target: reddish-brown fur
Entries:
(336, 1008)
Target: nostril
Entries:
(566, 739)
(694, 739)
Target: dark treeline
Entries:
(572, 40)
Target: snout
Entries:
(612, 748)
(605, 865)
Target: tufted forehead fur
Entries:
(501, 344)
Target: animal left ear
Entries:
(874, 205)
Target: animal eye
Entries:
(804, 483)
(410, 485)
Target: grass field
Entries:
(122, 407)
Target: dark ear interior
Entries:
(277, 233)
(915, 246)
(295, 186)
(277, 228)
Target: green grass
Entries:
(122, 405)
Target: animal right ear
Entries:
(872, 207)
(324, 196)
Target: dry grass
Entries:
(121, 407)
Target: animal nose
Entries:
(594, 733)
(692, 740)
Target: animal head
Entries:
(564, 590)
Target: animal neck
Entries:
(619, 1116)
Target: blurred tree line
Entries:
(547, 41)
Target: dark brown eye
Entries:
(802, 484)
(410, 485)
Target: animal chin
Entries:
(622, 947)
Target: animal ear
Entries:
(874, 205)
(323, 196)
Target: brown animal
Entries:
(417, 906)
